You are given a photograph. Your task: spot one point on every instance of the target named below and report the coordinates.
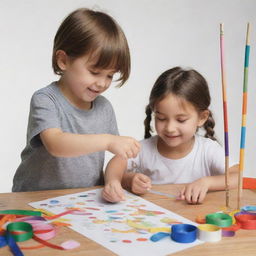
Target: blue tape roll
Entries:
(184, 233)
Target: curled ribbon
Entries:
(184, 233)
(219, 219)
(246, 220)
(209, 233)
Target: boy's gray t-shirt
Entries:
(41, 171)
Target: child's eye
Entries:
(160, 119)
(182, 120)
(94, 72)
(110, 77)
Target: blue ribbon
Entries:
(12, 244)
(2, 241)
(184, 233)
(158, 236)
(7, 239)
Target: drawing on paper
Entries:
(124, 227)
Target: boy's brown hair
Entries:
(97, 35)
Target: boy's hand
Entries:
(113, 192)
(140, 184)
(196, 191)
(125, 147)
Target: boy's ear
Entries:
(203, 117)
(61, 58)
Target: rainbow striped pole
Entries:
(244, 112)
(225, 111)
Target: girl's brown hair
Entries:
(186, 84)
(96, 34)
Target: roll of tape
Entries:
(184, 233)
(219, 219)
(209, 233)
(246, 220)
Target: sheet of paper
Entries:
(124, 228)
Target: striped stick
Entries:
(244, 112)
(225, 111)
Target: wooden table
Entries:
(243, 243)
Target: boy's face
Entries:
(81, 82)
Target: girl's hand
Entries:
(113, 192)
(195, 192)
(140, 184)
(125, 147)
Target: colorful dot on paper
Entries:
(54, 202)
(142, 239)
(111, 211)
(126, 241)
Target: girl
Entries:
(70, 124)
(179, 101)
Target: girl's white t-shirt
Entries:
(207, 158)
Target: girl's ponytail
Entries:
(209, 127)
(147, 121)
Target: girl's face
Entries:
(176, 122)
(81, 82)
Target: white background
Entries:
(161, 34)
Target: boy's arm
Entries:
(115, 169)
(113, 191)
(63, 144)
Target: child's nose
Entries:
(170, 126)
(101, 82)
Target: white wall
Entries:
(161, 34)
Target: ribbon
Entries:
(2, 241)
(249, 208)
(21, 212)
(219, 219)
(228, 233)
(158, 236)
(184, 233)
(246, 220)
(25, 228)
(13, 246)
(209, 233)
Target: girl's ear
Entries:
(203, 116)
(62, 59)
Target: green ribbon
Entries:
(24, 227)
(21, 212)
(219, 219)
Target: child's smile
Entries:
(176, 122)
(81, 82)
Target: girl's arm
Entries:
(63, 144)
(218, 182)
(196, 191)
(138, 183)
